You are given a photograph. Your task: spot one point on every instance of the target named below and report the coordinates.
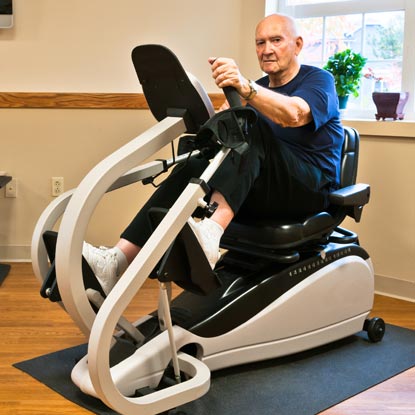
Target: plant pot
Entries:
(343, 102)
(390, 104)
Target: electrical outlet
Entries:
(11, 188)
(57, 186)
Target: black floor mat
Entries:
(302, 384)
(4, 271)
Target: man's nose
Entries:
(268, 49)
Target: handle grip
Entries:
(232, 96)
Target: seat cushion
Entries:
(279, 234)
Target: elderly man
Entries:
(293, 160)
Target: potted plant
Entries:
(346, 68)
(388, 104)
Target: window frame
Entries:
(358, 6)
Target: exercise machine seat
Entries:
(282, 239)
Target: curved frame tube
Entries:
(82, 204)
(126, 288)
(56, 208)
(76, 208)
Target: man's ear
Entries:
(299, 42)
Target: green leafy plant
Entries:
(346, 68)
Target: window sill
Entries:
(387, 128)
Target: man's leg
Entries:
(270, 181)
(262, 183)
(109, 264)
(231, 185)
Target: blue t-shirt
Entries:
(319, 142)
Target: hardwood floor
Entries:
(31, 326)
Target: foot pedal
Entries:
(185, 263)
(49, 287)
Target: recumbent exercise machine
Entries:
(282, 286)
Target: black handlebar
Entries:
(232, 96)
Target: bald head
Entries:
(287, 23)
(278, 46)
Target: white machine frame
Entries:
(332, 303)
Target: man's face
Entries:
(276, 45)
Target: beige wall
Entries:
(387, 229)
(40, 144)
(85, 46)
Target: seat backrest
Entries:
(350, 157)
(169, 89)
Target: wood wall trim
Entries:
(82, 100)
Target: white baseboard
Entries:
(15, 253)
(392, 287)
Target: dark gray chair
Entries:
(284, 240)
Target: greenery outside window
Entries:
(374, 28)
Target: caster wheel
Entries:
(375, 329)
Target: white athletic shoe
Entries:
(208, 233)
(103, 261)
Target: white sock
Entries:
(212, 228)
(208, 233)
(121, 260)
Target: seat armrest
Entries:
(354, 195)
(352, 198)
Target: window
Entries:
(374, 28)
